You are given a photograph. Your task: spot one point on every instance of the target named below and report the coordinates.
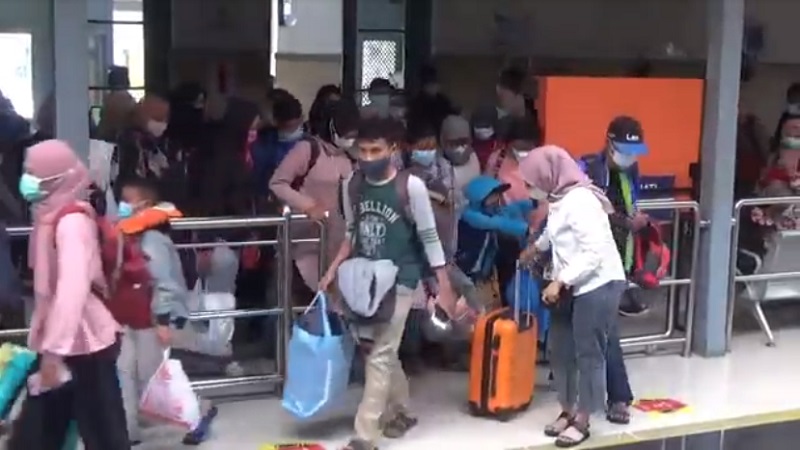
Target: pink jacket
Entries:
(73, 321)
(321, 187)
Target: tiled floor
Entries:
(754, 384)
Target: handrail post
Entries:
(323, 247)
(285, 278)
(693, 271)
(734, 252)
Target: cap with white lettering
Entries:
(627, 136)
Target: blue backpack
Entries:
(10, 286)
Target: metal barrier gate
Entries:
(284, 311)
(733, 278)
(668, 336)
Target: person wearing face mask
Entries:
(616, 172)
(781, 179)
(308, 180)
(71, 329)
(456, 142)
(588, 280)
(274, 143)
(521, 136)
(792, 109)
(141, 150)
(143, 216)
(484, 133)
(386, 222)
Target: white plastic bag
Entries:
(212, 337)
(169, 396)
(217, 339)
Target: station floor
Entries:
(754, 385)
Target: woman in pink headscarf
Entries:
(73, 333)
(588, 280)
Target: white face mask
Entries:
(344, 143)
(521, 154)
(484, 134)
(537, 194)
(622, 160)
(156, 128)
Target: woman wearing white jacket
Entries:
(587, 283)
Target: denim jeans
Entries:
(579, 347)
(618, 388)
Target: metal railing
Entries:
(733, 278)
(668, 336)
(285, 309)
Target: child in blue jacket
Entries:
(485, 217)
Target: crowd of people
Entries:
(452, 203)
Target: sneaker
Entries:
(633, 309)
(201, 432)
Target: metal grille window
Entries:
(380, 57)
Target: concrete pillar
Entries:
(725, 27)
(71, 60)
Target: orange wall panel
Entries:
(575, 112)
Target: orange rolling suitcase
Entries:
(502, 370)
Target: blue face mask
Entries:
(291, 136)
(424, 157)
(30, 187)
(124, 210)
(375, 170)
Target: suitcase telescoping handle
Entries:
(517, 288)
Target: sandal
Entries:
(558, 426)
(618, 414)
(574, 435)
(359, 444)
(399, 426)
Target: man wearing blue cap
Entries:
(615, 171)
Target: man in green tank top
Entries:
(381, 225)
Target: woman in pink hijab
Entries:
(588, 280)
(73, 333)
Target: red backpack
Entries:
(651, 258)
(129, 284)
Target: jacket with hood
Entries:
(170, 294)
(479, 226)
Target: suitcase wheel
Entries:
(474, 409)
(505, 415)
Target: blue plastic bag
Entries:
(14, 378)
(530, 295)
(319, 357)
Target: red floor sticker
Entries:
(659, 405)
